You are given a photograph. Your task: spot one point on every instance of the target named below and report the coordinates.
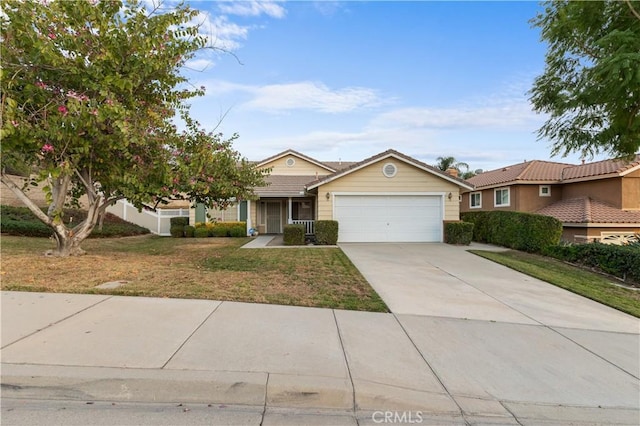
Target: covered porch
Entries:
(274, 213)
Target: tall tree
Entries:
(591, 82)
(90, 91)
(446, 163)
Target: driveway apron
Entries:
(492, 334)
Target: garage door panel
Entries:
(389, 218)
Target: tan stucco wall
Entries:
(300, 168)
(607, 190)
(631, 191)
(524, 198)
(371, 180)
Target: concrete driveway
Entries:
(491, 333)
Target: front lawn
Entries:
(200, 268)
(584, 283)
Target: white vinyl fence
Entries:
(157, 221)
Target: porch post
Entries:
(289, 218)
(249, 226)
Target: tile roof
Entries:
(385, 154)
(551, 172)
(600, 168)
(533, 171)
(589, 210)
(284, 186)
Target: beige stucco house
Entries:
(389, 197)
(594, 201)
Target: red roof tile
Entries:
(534, 171)
(547, 171)
(589, 210)
(599, 168)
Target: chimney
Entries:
(453, 172)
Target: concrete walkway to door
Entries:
(492, 334)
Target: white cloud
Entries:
(311, 96)
(302, 96)
(252, 8)
(199, 64)
(511, 115)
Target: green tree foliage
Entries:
(590, 87)
(90, 92)
(446, 163)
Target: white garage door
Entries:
(388, 218)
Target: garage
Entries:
(389, 218)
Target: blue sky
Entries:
(347, 80)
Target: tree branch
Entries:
(633, 10)
(25, 200)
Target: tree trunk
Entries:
(67, 240)
(66, 246)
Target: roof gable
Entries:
(398, 156)
(291, 153)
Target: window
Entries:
(545, 190)
(475, 200)
(502, 197)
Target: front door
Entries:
(274, 217)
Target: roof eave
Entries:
(340, 174)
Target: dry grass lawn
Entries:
(207, 268)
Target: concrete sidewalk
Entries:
(525, 353)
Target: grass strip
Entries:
(191, 268)
(588, 284)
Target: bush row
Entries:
(180, 228)
(620, 261)
(521, 231)
(20, 221)
(458, 233)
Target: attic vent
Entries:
(389, 170)
(290, 162)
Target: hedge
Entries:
(20, 221)
(327, 232)
(201, 232)
(458, 233)
(223, 229)
(620, 261)
(189, 231)
(521, 231)
(179, 221)
(293, 235)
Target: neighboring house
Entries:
(594, 201)
(389, 197)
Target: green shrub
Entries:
(458, 233)
(521, 231)
(294, 235)
(179, 221)
(620, 261)
(238, 231)
(201, 232)
(189, 231)
(24, 228)
(177, 231)
(327, 232)
(20, 221)
(218, 231)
